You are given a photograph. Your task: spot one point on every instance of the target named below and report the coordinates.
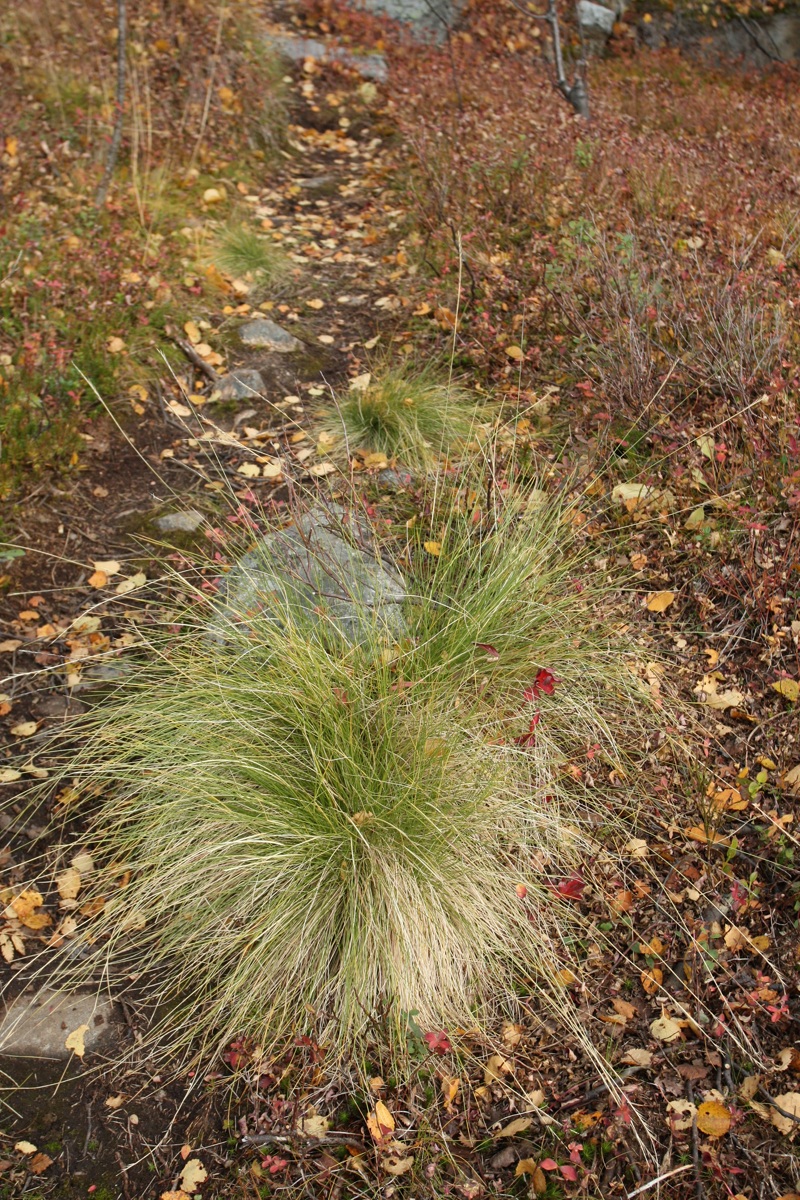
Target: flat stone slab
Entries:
(264, 334)
(180, 522)
(37, 1025)
(242, 384)
(368, 66)
(324, 568)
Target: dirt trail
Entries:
(326, 208)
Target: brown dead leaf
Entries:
(449, 1089)
(789, 1059)
(706, 837)
(637, 1057)
(495, 1067)
(39, 1163)
(397, 1164)
(625, 1009)
(708, 693)
(314, 1126)
(680, 1115)
(24, 729)
(518, 1125)
(68, 883)
(665, 1029)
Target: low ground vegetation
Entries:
(552, 949)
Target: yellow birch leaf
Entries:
(75, 1040)
(658, 602)
(713, 1118)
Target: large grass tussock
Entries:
(318, 836)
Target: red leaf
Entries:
(543, 685)
(548, 1164)
(569, 889)
(569, 1172)
(529, 738)
(490, 650)
(438, 1043)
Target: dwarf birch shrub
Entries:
(311, 832)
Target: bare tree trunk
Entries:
(116, 137)
(576, 92)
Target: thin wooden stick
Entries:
(116, 137)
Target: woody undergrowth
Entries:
(87, 293)
(299, 835)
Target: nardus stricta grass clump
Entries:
(312, 831)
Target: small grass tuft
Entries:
(413, 418)
(244, 254)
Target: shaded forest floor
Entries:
(625, 294)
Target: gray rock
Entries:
(368, 66)
(266, 335)
(181, 522)
(395, 480)
(239, 385)
(429, 19)
(323, 567)
(319, 183)
(36, 1025)
(595, 18)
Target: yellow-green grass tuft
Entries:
(242, 253)
(413, 418)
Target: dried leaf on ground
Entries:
(380, 1123)
(192, 1175)
(790, 1103)
(75, 1041)
(665, 1029)
(713, 1118)
(658, 602)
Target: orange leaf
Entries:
(713, 1118)
(652, 980)
(381, 1122)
